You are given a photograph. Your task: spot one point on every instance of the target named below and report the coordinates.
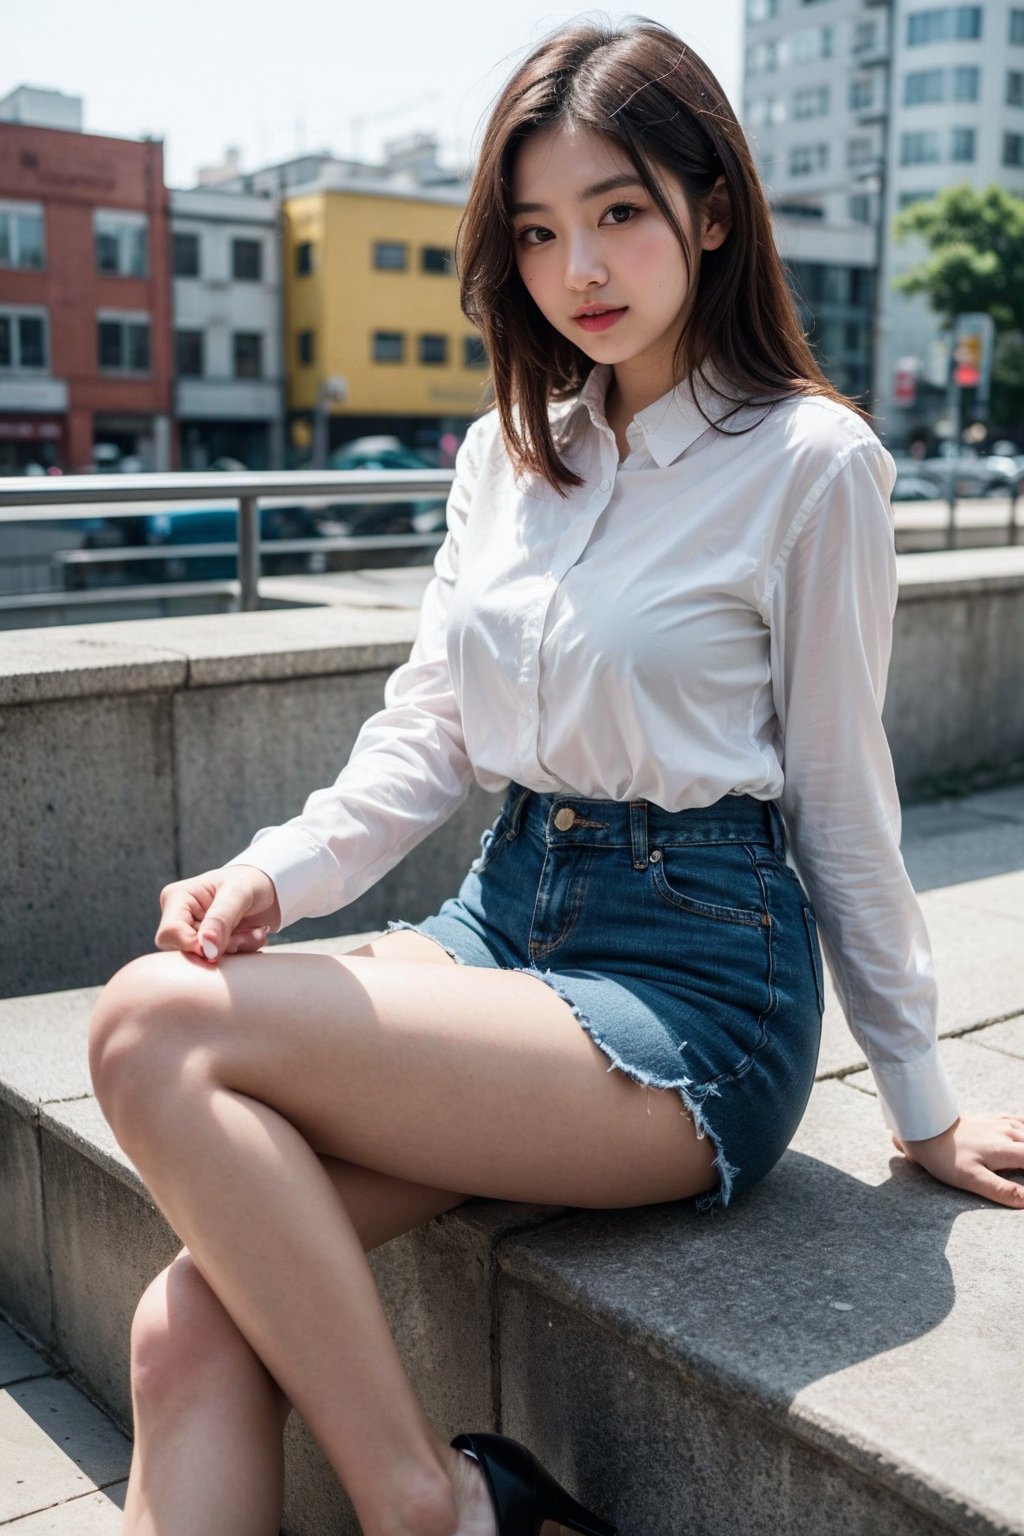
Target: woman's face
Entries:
(598, 257)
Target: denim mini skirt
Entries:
(683, 942)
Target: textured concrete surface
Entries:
(952, 704)
(62, 1462)
(89, 837)
(126, 656)
(853, 1304)
(24, 1275)
(313, 723)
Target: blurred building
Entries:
(229, 387)
(85, 292)
(856, 110)
(375, 340)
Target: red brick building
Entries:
(85, 300)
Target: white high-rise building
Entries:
(858, 109)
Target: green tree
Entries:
(976, 264)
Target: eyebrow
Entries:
(627, 179)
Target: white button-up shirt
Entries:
(711, 616)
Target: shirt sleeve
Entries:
(408, 770)
(830, 611)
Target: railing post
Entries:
(248, 553)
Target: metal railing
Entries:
(83, 497)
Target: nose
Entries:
(583, 265)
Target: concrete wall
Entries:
(136, 753)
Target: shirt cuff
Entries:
(916, 1096)
(297, 869)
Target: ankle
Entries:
(419, 1505)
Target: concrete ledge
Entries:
(835, 1355)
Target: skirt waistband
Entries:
(562, 817)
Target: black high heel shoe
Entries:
(523, 1493)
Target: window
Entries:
(433, 258)
(304, 341)
(920, 148)
(1015, 88)
(304, 258)
(862, 93)
(766, 109)
(186, 255)
(864, 35)
(390, 255)
(123, 343)
(248, 354)
(860, 152)
(474, 353)
(761, 10)
(805, 159)
(188, 347)
(433, 349)
(120, 244)
(966, 82)
(799, 210)
(908, 199)
(862, 287)
(949, 23)
(1017, 26)
(247, 261)
(962, 144)
(23, 340)
(388, 347)
(762, 58)
(1013, 149)
(924, 85)
(815, 43)
(811, 103)
(21, 236)
(859, 208)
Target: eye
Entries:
(621, 213)
(533, 234)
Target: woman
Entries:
(660, 620)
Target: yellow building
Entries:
(373, 328)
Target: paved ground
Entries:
(63, 1464)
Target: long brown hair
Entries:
(642, 87)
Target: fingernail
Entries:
(208, 948)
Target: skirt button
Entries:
(565, 817)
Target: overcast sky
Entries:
(274, 79)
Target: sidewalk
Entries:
(63, 1465)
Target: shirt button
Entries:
(606, 485)
(565, 817)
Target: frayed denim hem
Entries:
(401, 923)
(693, 1098)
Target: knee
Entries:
(182, 1340)
(138, 1024)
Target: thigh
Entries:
(451, 1076)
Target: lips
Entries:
(599, 320)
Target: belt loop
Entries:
(638, 832)
(776, 828)
(516, 807)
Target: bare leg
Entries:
(208, 1416)
(224, 1092)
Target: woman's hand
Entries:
(224, 912)
(972, 1153)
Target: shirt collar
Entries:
(668, 425)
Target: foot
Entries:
(472, 1497)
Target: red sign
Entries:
(904, 388)
(30, 431)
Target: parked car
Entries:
(423, 515)
(972, 475)
(912, 485)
